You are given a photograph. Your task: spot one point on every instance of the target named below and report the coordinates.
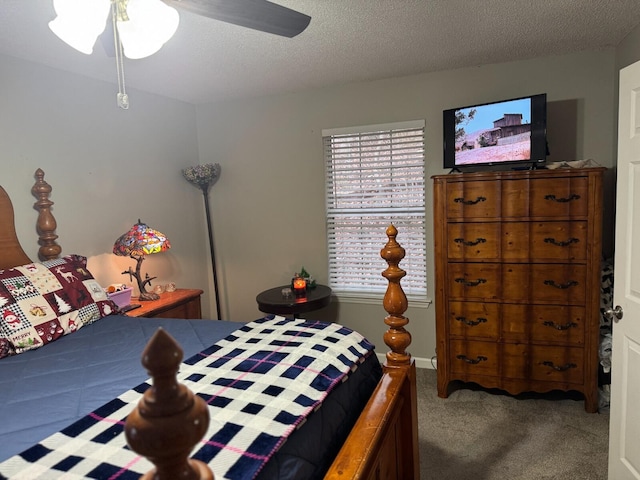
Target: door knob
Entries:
(614, 314)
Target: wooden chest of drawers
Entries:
(517, 257)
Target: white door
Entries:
(624, 432)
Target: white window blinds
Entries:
(374, 177)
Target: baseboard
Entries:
(421, 362)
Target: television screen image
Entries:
(509, 131)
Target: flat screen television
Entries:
(508, 132)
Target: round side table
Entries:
(272, 301)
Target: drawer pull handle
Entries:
(563, 286)
(470, 243)
(471, 323)
(553, 198)
(472, 361)
(559, 368)
(557, 326)
(469, 202)
(561, 243)
(472, 283)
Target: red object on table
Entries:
(299, 287)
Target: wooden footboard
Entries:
(383, 444)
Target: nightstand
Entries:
(272, 301)
(183, 303)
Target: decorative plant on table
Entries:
(204, 177)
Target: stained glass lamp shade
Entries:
(139, 241)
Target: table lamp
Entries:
(138, 242)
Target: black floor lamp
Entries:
(203, 177)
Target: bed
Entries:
(363, 427)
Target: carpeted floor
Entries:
(477, 434)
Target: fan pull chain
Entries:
(122, 97)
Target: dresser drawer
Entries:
(517, 323)
(559, 197)
(477, 358)
(543, 324)
(562, 284)
(543, 363)
(517, 361)
(549, 197)
(474, 320)
(513, 241)
(474, 241)
(478, 199)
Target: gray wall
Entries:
(268, 207)
(628, 51)
(108, 167)
(270, 150)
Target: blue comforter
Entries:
(43, 391)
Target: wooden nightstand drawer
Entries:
(183, 303)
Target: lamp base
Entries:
(145, 296)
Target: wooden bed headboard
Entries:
(12, 252)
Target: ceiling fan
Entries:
(255, 14)
(261, 15)
(139, 28)
(79, 22)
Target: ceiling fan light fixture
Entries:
(150, 24)
(79, 22)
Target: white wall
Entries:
(269, 203)
(107, 166)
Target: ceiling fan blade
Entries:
(255, 14)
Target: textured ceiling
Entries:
(346, 41)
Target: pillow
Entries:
(41, 302)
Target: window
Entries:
(374, 177)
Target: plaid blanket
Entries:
(260, 383)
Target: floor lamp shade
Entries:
(203, 177)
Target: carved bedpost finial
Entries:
(169, 419)
(46, 225)
(395, 303)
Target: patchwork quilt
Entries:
(260, 384)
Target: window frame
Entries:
(409, 219)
